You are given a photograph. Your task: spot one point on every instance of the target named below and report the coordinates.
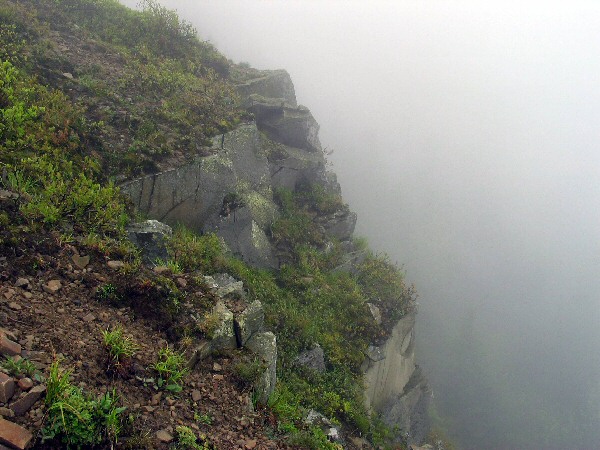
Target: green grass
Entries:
(119, 347)
(192, 252)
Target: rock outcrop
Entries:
(264, 345)
(249, 322)
(226, 331)
(150, 236)
(275, 84)
(395, 386)
(230, 192)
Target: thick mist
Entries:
(466, 136)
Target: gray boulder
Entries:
(150, 237)
(375, 312)
(291, 167)
(223, 334)
(245, 237)
(270, 84)
(313, 359)
(408, 411)
(339, 224)
(293, 126)
(249, 322)
(264, 345)
(374, 353)
(332, 432)
(223, 285)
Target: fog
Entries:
(465, 136)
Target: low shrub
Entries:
(187, 440)
(192, 252)
(77, 419)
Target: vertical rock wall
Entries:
(395, 386)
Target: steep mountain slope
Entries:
(93, 93)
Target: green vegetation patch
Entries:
(143, 81)
(78, 419)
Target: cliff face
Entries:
(230, 192)
(395, 385)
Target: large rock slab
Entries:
(388, 368)
(223, 335)
(199, 195)
(150, 237)
(249, 322)
(291, 167)
(264, 345)
(270, 84)
(293, 126)
(245, 238)
(189, 194)
(224, 285)
(408, 411)
(13, 435)
(313, 359)
(24, 404)
(395, 386)
(340, 224)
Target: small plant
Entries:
(20, 367)
(205, 419)
(77, 419)
(171, 369)
(173, 266)
(119, 347)
(18, 182)
(187, 440)
(209, 324)
(106, 292)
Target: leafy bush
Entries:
(60, 194)
(78, 419)
(382, 281)
(39, 149)
(287, 406)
